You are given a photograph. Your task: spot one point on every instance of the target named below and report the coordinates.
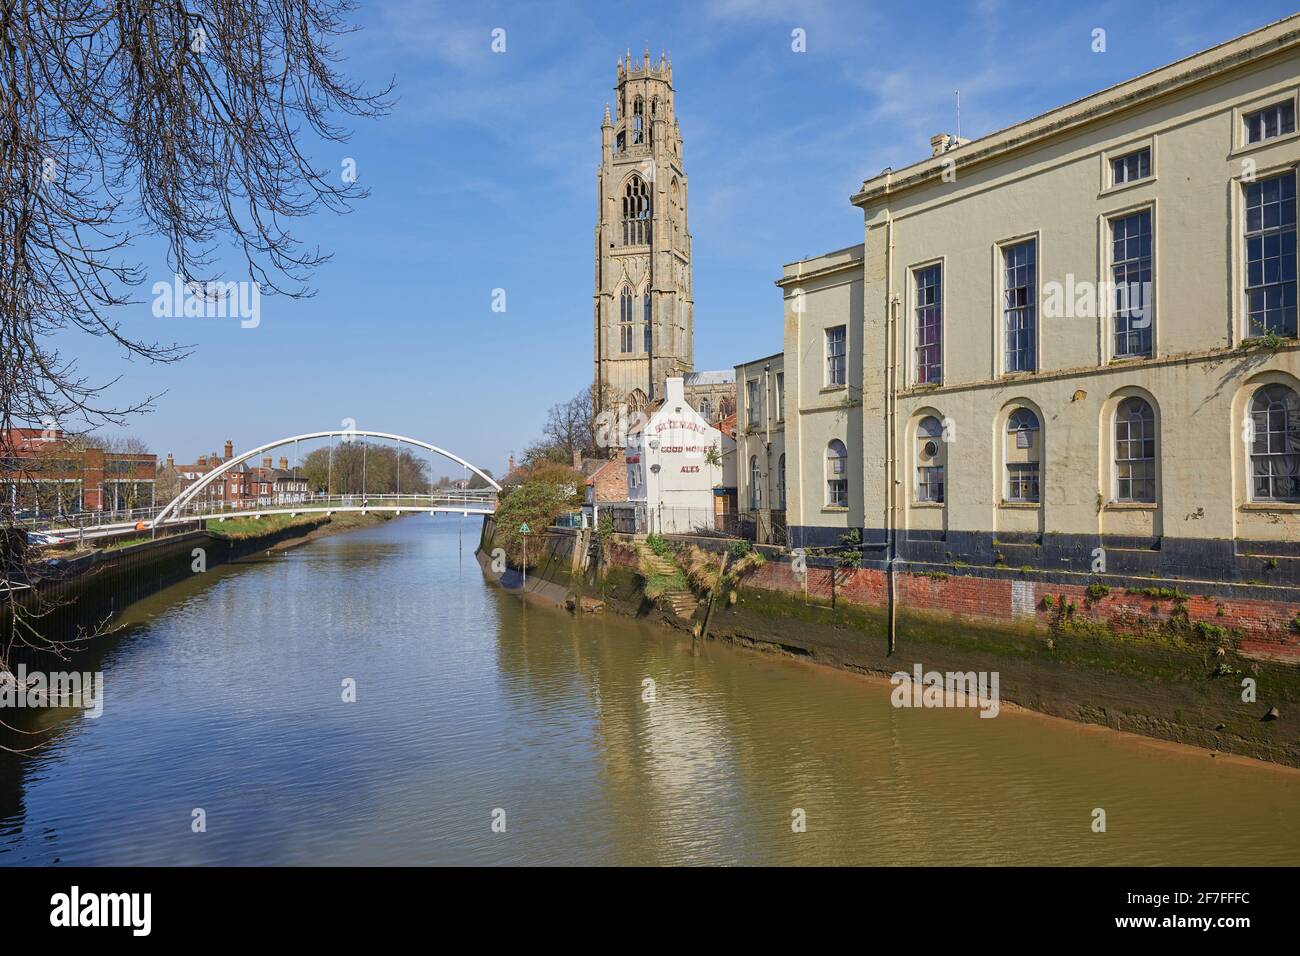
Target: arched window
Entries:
(755, 495)
(1135, 451)
(649, 324)
(674, 213)
(638, 121)
(1275, 444)
(930, 460)
(837, 474)
(625, 320)
(636, 402)
(706, 409)
(780, 483)
(1023, 456)
(636, 212)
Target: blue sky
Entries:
(482, 177)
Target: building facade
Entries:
(674, 463)
(643, 309)
(1075, 340)
(44, 472)
(760, 448)
(823, 391)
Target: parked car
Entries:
(43, 539)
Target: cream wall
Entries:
(761, 436)
(1198, 380)
(818, 294)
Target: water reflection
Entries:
(227, 696)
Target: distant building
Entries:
(242, 486)
(644, 312)
(712, 394)
(44, 472)
(674, 462)
(760, 447)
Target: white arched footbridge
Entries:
(196, 502)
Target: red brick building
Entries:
(242, 486)
(43, 472)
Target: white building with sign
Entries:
(674, 462)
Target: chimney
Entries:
(213, 458)
(230, 450)
(674, 391)
(577, 461)
(266, 462)
(510, 465)
(941, 143)
(284, 463)
(203, 461)
(171, 462)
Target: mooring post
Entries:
(713, 596)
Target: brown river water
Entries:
(225, 694)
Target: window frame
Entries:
(1107, 310)
(843, 481)
(755, 479)
(914, 324)
(1123, 150)
(1000, 250)
(626, 339)
(1251, 497)
(919, 471)
(843, 356)
(751, 402)
(1239, 140)
(1036, 463)
(1241, 260)
(1116, 460)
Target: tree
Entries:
(475, 481)
(184, 121)
(358, 467)
(570, 427)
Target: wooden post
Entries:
(713, 596)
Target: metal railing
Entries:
(100, 521)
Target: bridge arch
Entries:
(348, 433)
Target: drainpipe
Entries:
(767, 446)
(891, 417)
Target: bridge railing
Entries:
(93, 521)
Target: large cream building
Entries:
(1069, 344)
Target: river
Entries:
(225, 694)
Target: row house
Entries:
(242, 486)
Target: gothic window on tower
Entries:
(674, 207)
(649, 324)
(638, 122)
(625, 320)
(636, 212)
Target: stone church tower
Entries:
(644, 322)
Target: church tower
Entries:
(644, 322)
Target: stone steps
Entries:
(682, 601)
